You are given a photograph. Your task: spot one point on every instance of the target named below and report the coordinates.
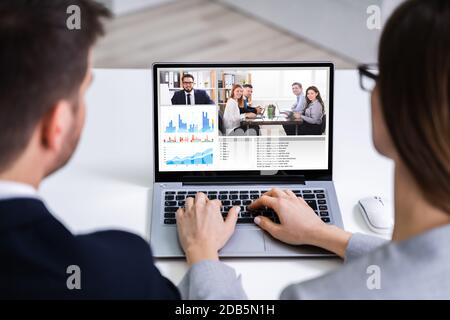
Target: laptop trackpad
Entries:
(245, 240)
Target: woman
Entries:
(415, 264)
(232, 116)
(312, 114)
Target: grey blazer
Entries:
(417, 268)
(313, 114)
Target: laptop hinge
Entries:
(240, 180)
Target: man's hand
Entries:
(299, 224)
(201, 228)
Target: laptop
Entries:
(192, 155)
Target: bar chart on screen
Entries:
(188, 137)
(189, 120)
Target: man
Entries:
(188, 95)
(248, 91)
(297, 108)
(300, 102)
(45, 72)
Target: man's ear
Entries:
(55, 125)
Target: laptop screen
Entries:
(251, 118)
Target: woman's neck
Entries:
(413, 213)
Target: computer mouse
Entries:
(377, 214)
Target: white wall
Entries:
(337, 25)
(120, 7)
(277, 84)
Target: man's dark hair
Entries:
(41, 62)
(297, 84)
(187, 75)
(248, 85)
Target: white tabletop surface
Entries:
(108, 182)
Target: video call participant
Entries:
(312, 114)
(232, 116)
(189, 95)
(248, 91)
(297, 108)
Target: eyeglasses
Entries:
(368, 76)
(188, 82)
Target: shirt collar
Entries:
(12, 189)
(191, 93)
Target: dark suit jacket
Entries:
(247, 108)
(201, 97)
(36, 249)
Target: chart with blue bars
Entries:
(188, 137)
(205, 157)
(207, 125)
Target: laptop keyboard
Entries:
(173, 200)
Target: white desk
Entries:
(108, 182)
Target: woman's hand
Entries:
(250, 115)
(201, 228)
(299, 224)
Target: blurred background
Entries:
(147, 31)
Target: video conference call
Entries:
(221, 119)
